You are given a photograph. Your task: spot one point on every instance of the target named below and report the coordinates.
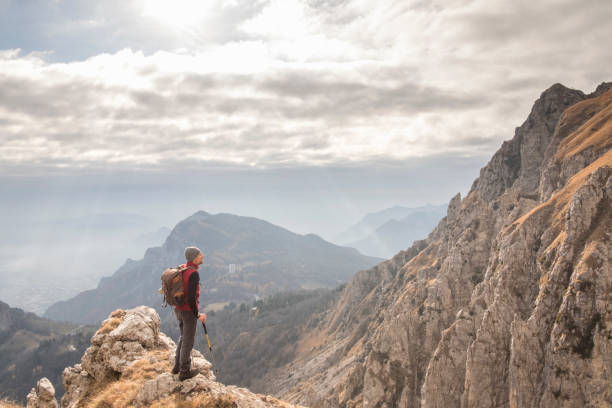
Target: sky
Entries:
(306, 113)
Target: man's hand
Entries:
(202, 317)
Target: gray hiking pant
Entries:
(187, 325)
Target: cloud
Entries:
(74, 29)
(104, 109)
(275, 82)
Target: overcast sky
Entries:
(388, 102)
(307, 114)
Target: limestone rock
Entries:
(157, 388)
(43, 396)
(139, 326)
(112, 351)
(506, 303)
(77, 383)
(129, 363)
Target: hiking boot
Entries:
(175, 370)
(185, 375)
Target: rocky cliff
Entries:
(507, 303)
(129, 363)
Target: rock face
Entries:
(129, 364)
(43, 396)
(507, 303)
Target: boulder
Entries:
(43, 396)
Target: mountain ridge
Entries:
(373, 220)
(267, 259)
(503, 304)
(398, 233)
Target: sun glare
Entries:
(175, 13)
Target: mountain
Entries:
(397, 234)
(505, 303)
(265, 258)
(372, 221)
(128, 364)
(31, 347)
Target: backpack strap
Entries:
(184, 269)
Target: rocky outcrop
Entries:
(505, 304)
(43, 396)
(129, 363)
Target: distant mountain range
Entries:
(32, 347)
(245, 258)
(386, 232)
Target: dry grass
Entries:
(196, 401)
(595, 132)
(559, 239)
(425, 259)
(148, 367)
(6, 403)
(591, 256)
(116, 394)
(561, 199)
(123, 392)
(577, 180)
(589, 259)
(109, 325)
(112, 322)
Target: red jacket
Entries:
(189, 303)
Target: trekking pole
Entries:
(210, 348)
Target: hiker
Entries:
(188, 314)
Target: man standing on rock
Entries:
(188, 314)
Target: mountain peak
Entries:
(556, 87)
(520, 159)
(200, 214)
(558, 97)
(601, 88)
